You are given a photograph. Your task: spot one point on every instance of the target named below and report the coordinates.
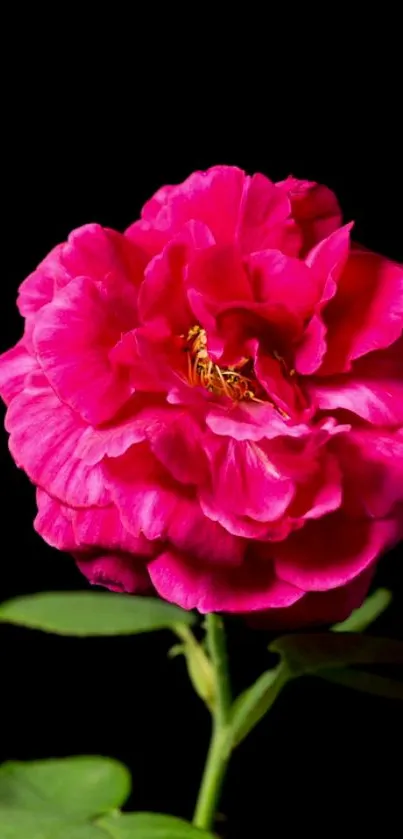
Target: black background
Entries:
(78, 149)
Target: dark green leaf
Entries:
(150, 826)
(365, 682)
(78, 787)
(92, 613)
(310, 652)
(366, 614)
(252, 705)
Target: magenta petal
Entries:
(190, 531)
(101, 527)
(373, 466)
(265, 210)
(98, 252)
(44, 437)
(73, 337)
(373, 389)
(53, 523)
(367, 312)
(15, 365)
(245, 589)
(141, 489)
(218, 275)
(212, 197)
(177, 442)
(133, 426)
(38, 289)
(248, 421)
(285, 283)
(118, 572)
(312, 349)
(245, 482)
(314, 207)
(162, 297)
(318, 607)
(331, 551)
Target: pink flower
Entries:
(211, 405)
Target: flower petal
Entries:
(245, 483)
(44, 437)
(251, 586)
(314, 207)
(130, 426)
(373, 390)
(212, 197)
(162, 297)
(285, 284)
(53, 522)
(73, 336)
(331, 551)
(15, 365)
(249, 421)
(38, 289)
(318, 607)
(117, 572)
(142, 490)
(102, 528)
(373, 467)
(177, 442)
(367, 312)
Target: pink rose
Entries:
(211, 405)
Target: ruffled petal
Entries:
(372, 463)
(73, 336)
(44, 437)
(123, 573)
(245, 483)
(142, 490)
(212, 197)
(53, 522)
(331, 551)
(315, 608)
(367, 312)
(15, 365)
(162, 297)
(250, 587)
(373, 390)
(314, 207)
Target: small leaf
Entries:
(366, 614)
(87, 613)
(76, 787)
(254, 703)
(365, 682)
(200, 668)
(150, 826)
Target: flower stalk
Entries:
(218, 754)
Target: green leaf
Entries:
(252, 705)
(365, 682)
(150, 826)
(370, 610)
(18, 824)
(200, 668)
(308, 653)
(89, 613)
(78, 787)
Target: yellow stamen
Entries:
(221, 381)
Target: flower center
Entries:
(237, 381)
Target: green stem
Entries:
(218, 755)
